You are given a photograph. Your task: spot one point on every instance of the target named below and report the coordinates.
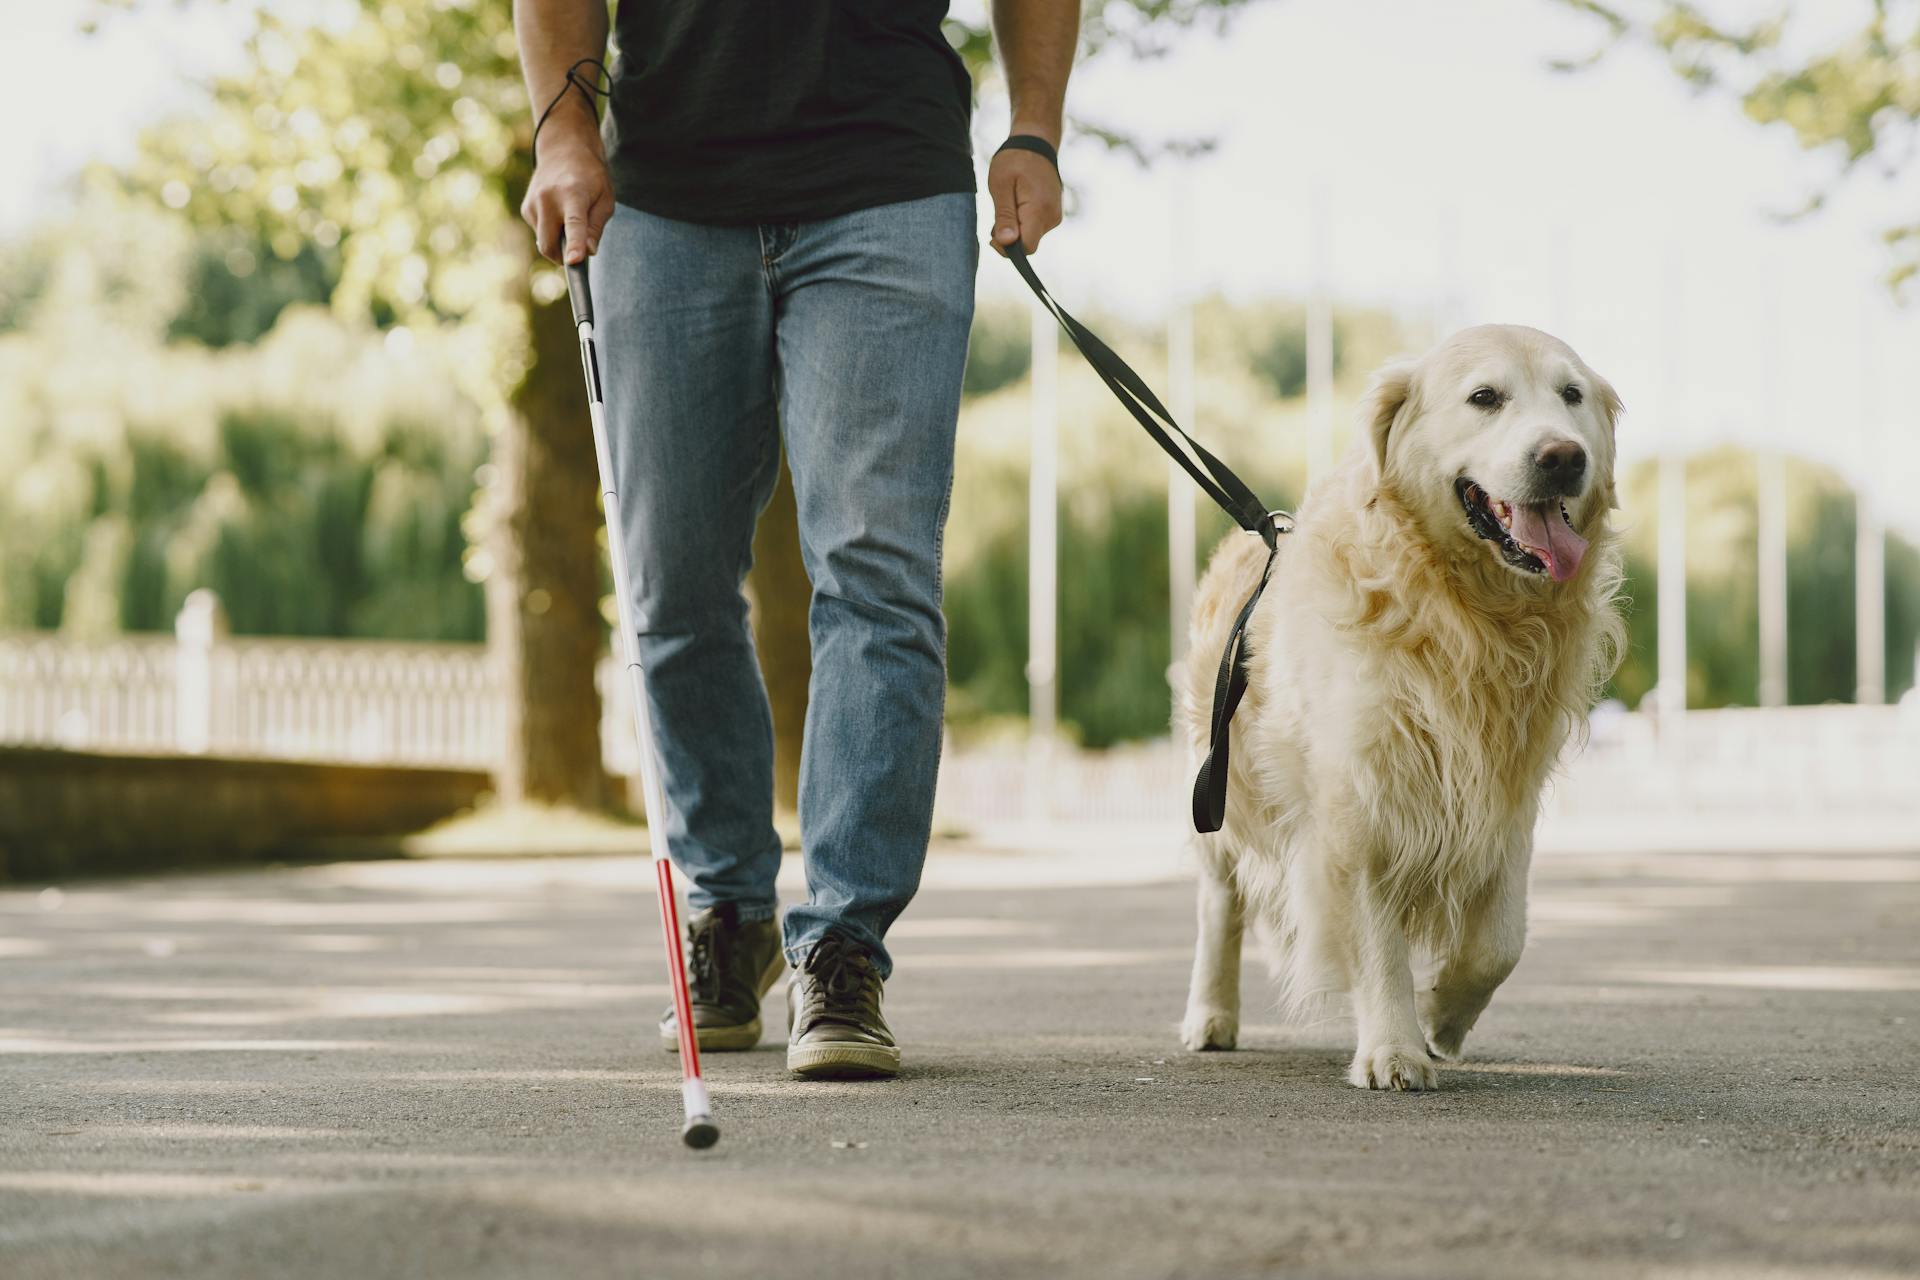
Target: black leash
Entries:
(1218, 482)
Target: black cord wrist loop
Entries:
(589, 89)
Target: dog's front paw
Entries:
(1405, 1068)
(1209, 1029)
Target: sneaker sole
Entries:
(736, 1039)
(843, 1061)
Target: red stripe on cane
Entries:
(677, 970)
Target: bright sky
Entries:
(69, 99)
(1423, 147)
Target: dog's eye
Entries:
(1485, 398)
(1571, 394)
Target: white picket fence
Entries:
(202, 692)
(434, 704)
(287, 699)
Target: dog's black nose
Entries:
(1563, 460)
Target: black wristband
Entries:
(1031, 142)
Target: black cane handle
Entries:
(579, 293)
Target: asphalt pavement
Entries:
(1708, 1065)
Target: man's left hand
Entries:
(1026, 198)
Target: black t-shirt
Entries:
(742, 111)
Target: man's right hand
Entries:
(570, 193)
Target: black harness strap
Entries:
(1218, 482)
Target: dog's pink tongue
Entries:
(1539, 527)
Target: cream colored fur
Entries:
(1408, 694)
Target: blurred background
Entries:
(297, 498)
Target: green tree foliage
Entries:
(316, 479)
(1723, 667)
(1274, 345)
(1858, 99)
(237, 287)
(295, 531)
(1000, 348)
(1115, 639)
(1114, 630)
(385, 135)
(23, 278)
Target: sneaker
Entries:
(731, 964)
(834, 1027)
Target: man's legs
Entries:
(873, 310)
(684, 321)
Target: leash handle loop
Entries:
(1034, 143)
(1229, 686)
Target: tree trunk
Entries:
(544, 625)
(780, 593)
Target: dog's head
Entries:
(1500, 436)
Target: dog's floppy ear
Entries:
(1386, 397)
(1610, 403)
(1611, 407)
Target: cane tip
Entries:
(700, 1133)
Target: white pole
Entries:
(1181, 534)
(1319, 352)
(1870, 606)
(1771, 500)
(198, 629)
(1043, 550)
(1869, 540)
(1671, 615)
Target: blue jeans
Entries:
(847, 338)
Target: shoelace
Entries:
(703, 971)
(841, 971)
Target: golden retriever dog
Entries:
(1440, 619)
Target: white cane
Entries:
(699, 1131)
